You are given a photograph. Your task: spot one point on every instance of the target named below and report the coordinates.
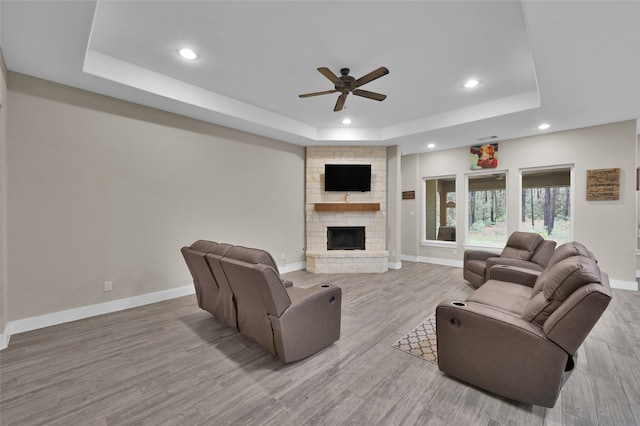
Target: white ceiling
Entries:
(572, 64)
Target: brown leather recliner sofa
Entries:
(518, 334)
(523, 249)
(242, 287)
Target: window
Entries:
(546, 203)
(440, 209)
(487, 209)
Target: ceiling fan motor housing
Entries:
(348, 82)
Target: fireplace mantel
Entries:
(347, 207)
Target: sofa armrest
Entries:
(513, 262)
(287, 283)
(502, 353)
(478, 255)
(310, 324)
(514, 274)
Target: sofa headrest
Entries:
(251, 255)
(203, 245)
(566, 250)
(556, 283)
(211, 247)
(521, 245)
(543, 253)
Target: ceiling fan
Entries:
(346, 84)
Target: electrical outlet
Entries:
(108, 285)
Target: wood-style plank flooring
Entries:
(172, 364)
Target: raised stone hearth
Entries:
(365, 210)
(347, 261)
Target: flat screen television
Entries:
(347, 177)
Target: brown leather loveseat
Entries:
(242, 287)
(523, 249)
(520, 339)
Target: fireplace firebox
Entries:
(345, 238)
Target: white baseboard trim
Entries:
(55, 318)
(435, 260)
(303, 265)
(409, 258)
(619, 284)
(4, 338)
(438, 261)
(395, 265)
(291, 267)
(41, 321)
(623, 285)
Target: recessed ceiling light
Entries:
(431, 145)
(544, 126)
(471, 83)
(346, 121)
(187, 53)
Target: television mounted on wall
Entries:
(347, 177)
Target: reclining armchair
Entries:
(523, 249)
(519, 341)
(290, 322)
(242, 287)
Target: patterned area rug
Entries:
(421, 341)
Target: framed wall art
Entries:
(603, 184)
(484, 156)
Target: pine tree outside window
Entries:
(546, 203)
(487, 209)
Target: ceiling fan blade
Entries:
(330, 75)
(340, 102)
(372, 76)
(370, 95)
(307, 95)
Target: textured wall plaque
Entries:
(603, 184)
(408, 195)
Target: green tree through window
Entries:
(546, 203)
(487, 209)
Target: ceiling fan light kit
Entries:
(346, 84)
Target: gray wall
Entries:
(4, 308)
(394, 212)
(410, 182)
(608, 228)
(104, 190)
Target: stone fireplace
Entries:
(328, 212)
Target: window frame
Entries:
(572, 191)
(487, 247)
(638, 223)
(423, 213)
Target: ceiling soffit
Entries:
(255, 59)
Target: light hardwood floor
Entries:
(172, 364)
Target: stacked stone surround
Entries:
(374, 258)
